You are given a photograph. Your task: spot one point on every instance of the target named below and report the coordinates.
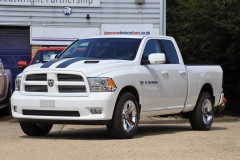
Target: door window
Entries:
(152, 46)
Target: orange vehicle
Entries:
(42, 54)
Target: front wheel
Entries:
(36, 129)
(201, 118)
(125, 119)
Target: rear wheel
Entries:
(201, 118)
(125, 119)
(36, 129)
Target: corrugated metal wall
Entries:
(110, 11)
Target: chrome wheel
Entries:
(207, 111)
(129, 114)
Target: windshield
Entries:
(107, 48)
(44, 55)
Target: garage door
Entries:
(14, 47)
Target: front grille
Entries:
(70, 77)
(36, 88)
(50, 113)
(71, 89)
(36, 77)
(63, 83)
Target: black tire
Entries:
(124, 125)
(201, 118)
(36, 129)
(6, 111)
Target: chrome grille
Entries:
(36, 77)
(70, 77)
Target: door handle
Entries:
(182, 72)
(165, 73)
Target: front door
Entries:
(156, 82)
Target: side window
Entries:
(152, 46)
(171, 54)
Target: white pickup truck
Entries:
(112, 80)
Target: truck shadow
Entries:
(100, 133)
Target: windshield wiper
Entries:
(66, 57)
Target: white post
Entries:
(162, 19)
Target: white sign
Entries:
(50, 35)
(63, 3)
(127, 29)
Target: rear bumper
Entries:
(221, 99)
(68, 110)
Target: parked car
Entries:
(112, 80)
(42, 54)
(5, 90)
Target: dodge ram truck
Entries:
(112, 80)
(5, 90)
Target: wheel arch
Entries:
(207, 87)
(132, 90)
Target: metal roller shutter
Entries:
(14, 47)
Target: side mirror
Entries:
(22, 64)
(53, 56)
(157, 58)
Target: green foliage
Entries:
(208, 32)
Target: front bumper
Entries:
(103, 100)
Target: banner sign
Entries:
(126, 29)
(63, 3)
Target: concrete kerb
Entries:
(172, 120)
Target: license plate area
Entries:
(47, 103)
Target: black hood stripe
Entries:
(68, 62)
(49, 63)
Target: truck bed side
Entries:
(198, 76)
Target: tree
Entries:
(208, 32)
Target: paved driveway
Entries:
(155, 141)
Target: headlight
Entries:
(18, 83)
(102, 85)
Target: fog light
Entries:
(15, 108)
(96, 110)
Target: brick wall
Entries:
(35, 48)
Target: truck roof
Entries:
(126, 36)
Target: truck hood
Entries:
(90, 67)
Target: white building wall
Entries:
(109, 11)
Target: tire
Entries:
(6, 111)
(36, 129)
(125, 120)
(201, 118)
